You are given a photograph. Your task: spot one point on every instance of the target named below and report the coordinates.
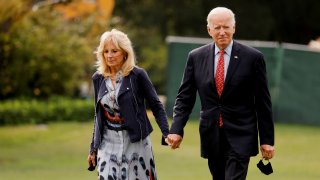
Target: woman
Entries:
(121, 146)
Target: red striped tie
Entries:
(220, 78)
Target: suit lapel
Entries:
(210, 68)
(102, 89)
(210, 64)
(233, 64)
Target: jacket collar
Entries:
(126, 85)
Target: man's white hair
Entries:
(219, 10)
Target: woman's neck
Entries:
(114, 70)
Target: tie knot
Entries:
(221, 52)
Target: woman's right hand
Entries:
(91, 159)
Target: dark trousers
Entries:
(228, 165)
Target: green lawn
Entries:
(59, 151)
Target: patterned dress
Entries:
(118, 158)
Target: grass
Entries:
(58, 152)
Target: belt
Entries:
(115, 128)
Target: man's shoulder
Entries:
(246, 48)
(201, 49)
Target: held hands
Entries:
(174, 140)
(267, 151)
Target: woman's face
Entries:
(114, 57)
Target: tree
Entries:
(44, 56)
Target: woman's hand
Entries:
(91, 159)
(174, 140)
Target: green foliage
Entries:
(43, 55)
(273, 20)
(146, 36)
(151, 55)
(26, 111)
(155, 63)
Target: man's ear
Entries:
(209, 30)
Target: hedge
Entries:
(22, 111)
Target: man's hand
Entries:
(267, 151)
(174, 140)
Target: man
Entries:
(235, 101)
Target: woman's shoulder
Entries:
(138, 70)
(139, 73)
(96, 75)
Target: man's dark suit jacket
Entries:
(245, 103)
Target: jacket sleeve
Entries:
(185, 99)
(263, 103)
(94, 81)
(153, 101)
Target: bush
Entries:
(42, 54)
(26, 111)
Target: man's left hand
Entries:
(267, 151)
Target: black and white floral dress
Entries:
(118, 158)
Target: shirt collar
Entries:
(227, 50)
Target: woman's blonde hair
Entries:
(120, 41)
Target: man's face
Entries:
(221, 29)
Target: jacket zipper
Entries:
(137, 107)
